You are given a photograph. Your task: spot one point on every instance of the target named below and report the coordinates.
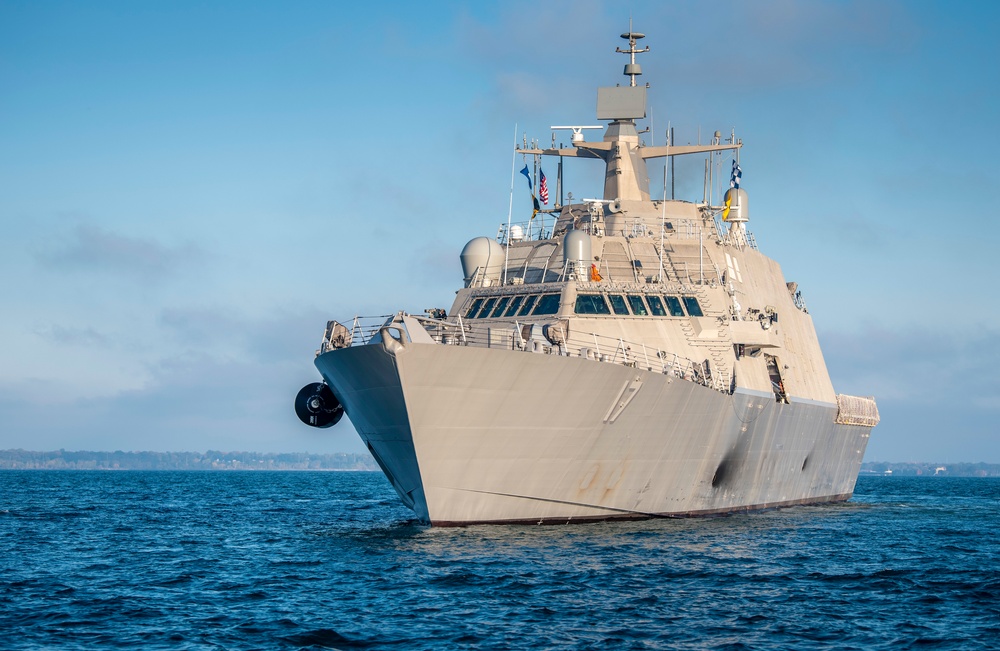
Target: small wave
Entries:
(303, 563)
(222, 573)
(325, 637)
(180, 579)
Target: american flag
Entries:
(543, 187)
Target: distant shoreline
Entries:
(262, 461)
(4, 468)
(209, 460)
(920, 469)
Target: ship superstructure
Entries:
(629, 357)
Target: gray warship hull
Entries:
(629, 358)
(477, 435)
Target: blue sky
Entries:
(188, 191)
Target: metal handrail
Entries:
(532, 338)
(530, 232)
(365, 328)
(587, 345)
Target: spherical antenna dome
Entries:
(577, 247)
(482, 258)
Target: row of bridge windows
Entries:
(638, 305)
(495, 307)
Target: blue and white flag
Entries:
(527, 175)
(734, 184)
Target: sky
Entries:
(189, 190)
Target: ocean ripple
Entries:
(313, 560)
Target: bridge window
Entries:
(591, 304)
(487, 308)
(547, 304)
(638, 305)
(514, 304)
(476, 304)
(618, 303)
(674, 306)
(691, 303)
(656, 306)
(501, 305)
(529, 302)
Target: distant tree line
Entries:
(913, 469)
(217, 460)
(210, 460)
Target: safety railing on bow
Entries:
(552, 339)
(357, 332)
(547, 339)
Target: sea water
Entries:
(287, 560)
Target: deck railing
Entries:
(546, 339)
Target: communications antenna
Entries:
(632, 69)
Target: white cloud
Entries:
(89, 247)
(224, 380)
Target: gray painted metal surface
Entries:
(487, 435)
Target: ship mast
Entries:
(632, 69)
(626, 178)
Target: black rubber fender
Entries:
(316, 406)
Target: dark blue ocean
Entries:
(290, 560)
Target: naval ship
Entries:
(621, 357)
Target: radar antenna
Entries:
(577, 137)
(632, 69)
